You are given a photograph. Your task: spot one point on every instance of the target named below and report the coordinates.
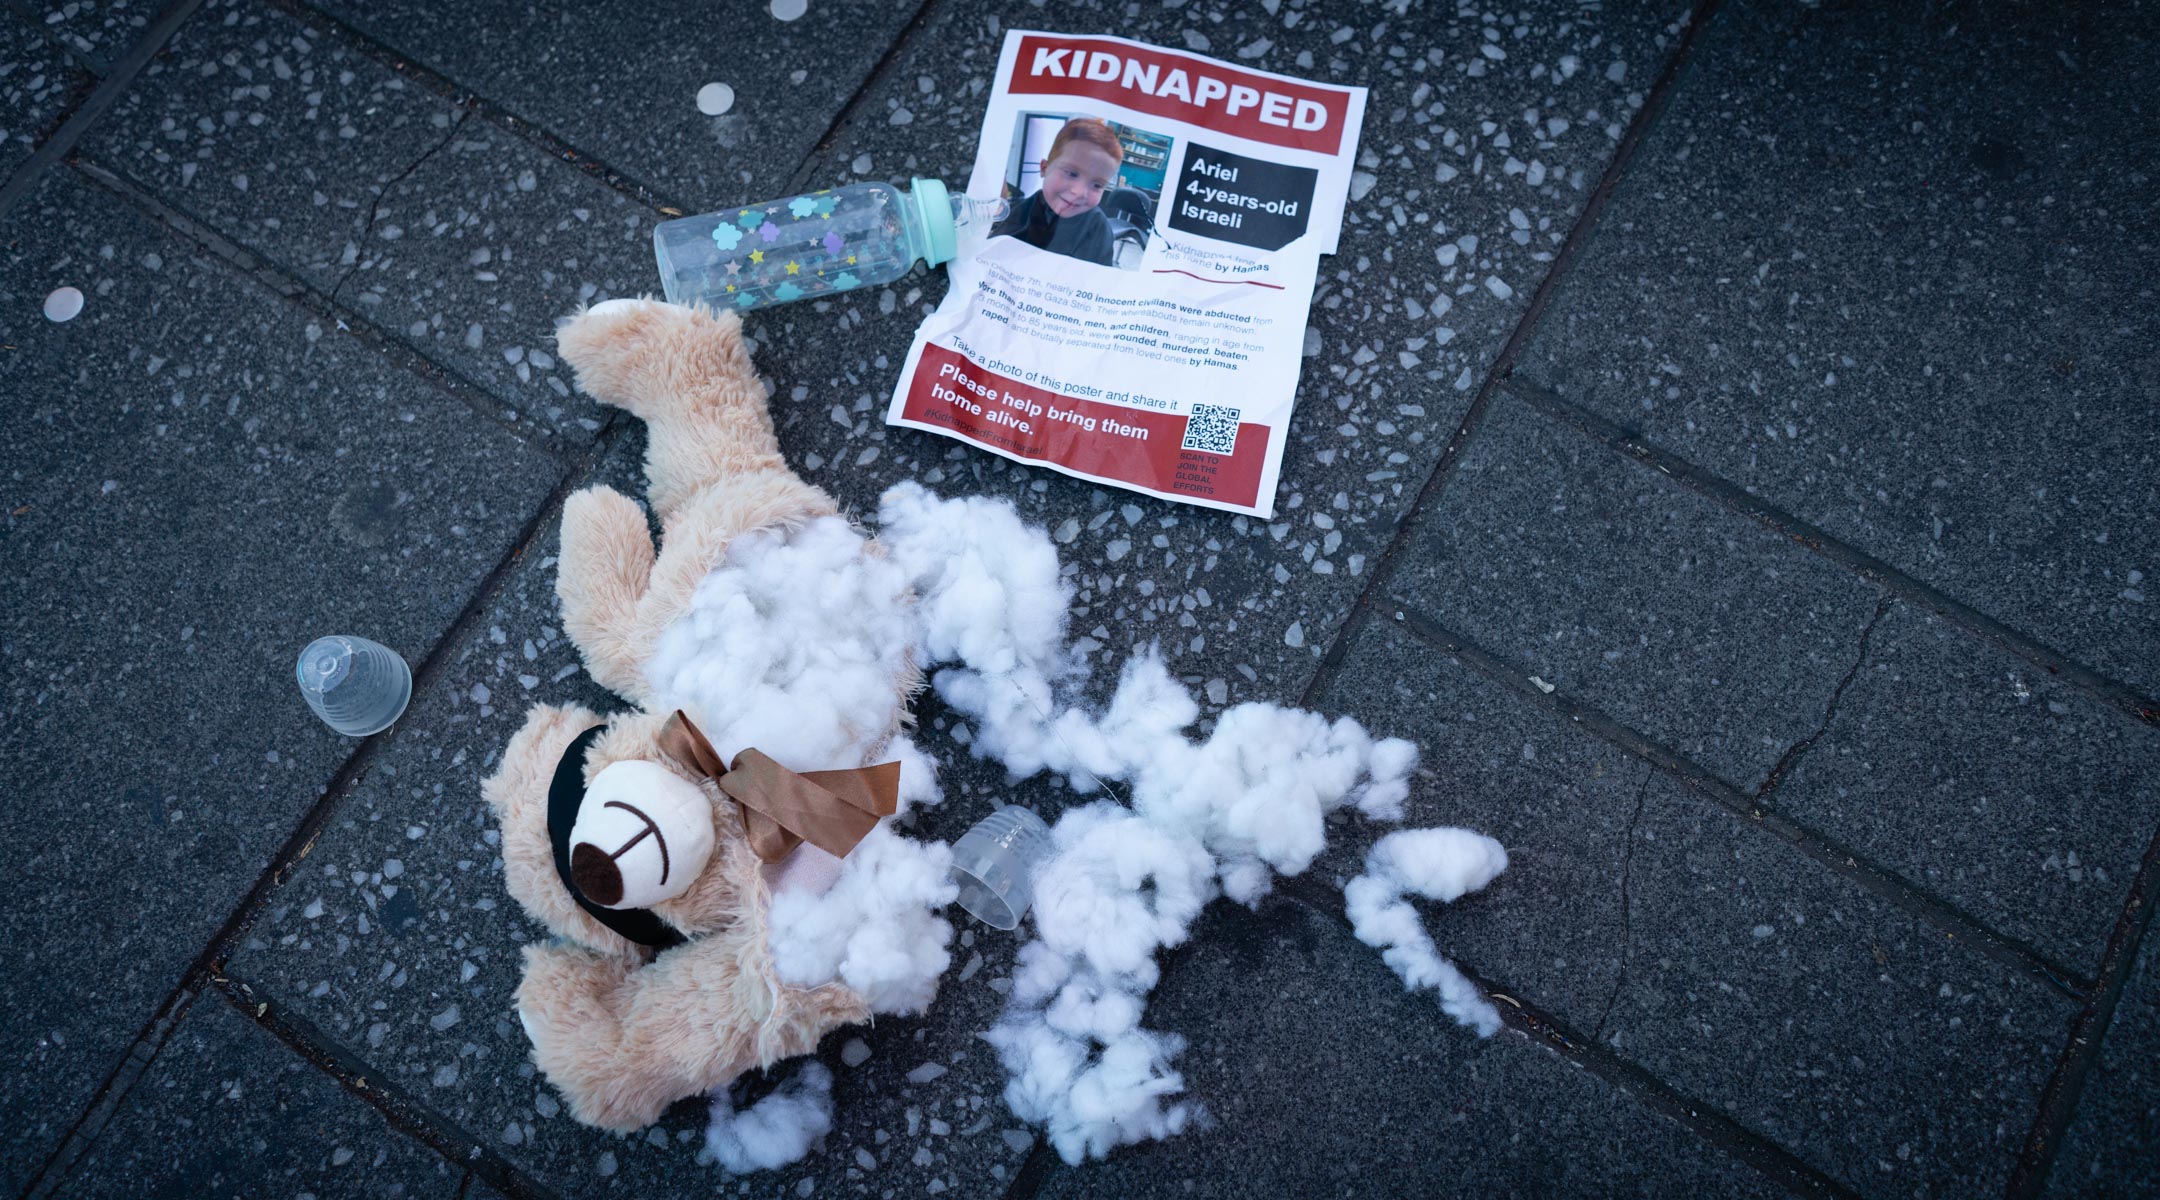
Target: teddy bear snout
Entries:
(642, 835)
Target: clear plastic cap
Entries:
(994, 865)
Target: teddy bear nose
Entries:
(595, 873)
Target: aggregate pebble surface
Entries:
(2022, 801)
(1664, 926)
(203, 480)
(789, 79)
(1321, 1077)
(2114, 1138)
(444, 231)
(38, 86)
(228, 1110)
(1598, 576)
(99, 31)
(1892, 276)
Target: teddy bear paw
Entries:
(646, 356)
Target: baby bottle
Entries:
(815, 244)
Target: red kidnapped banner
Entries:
(1107, 441)
(1211, 95)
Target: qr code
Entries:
(1212, 429)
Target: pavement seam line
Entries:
(496, 113)
(1712, 1125)
(210, 962)
(271, 277)
(1843, 861)
(107, 93)
(1630, 444)
(397, 1107)
(1503, 365)
(104, 1102)
(2059, 1099)
(375, 207)
(90, 64)
(1627, 927)
(804, 171)
(1782, 768)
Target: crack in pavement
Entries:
(1784, 765)
(1627, 929)
(375, 208)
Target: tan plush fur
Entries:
(621, 1033)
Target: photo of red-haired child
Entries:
(1088, 187)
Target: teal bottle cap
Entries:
(934, 204)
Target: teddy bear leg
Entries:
(687, 374)
(607, 560)
(572, 1003)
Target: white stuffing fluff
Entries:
(777, 1130)
(988, 586)
(797, 644)
(876, 929)
(1438, 864)
(1224, 815)
(1116, 887)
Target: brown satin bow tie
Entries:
(832, 810)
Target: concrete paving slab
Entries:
(460, 240)
(1324, 1078)
(1605, 580)
(203, 480)
(100, 31)
(627, 91)
(38, 87)
(1941, 1077)
(479, 250)
(2021, 800)
(1717, 957)
(397, 939)
(2114, 1139)
(228, 1110)
(1891, 275)
(1405, 322)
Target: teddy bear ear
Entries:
(643, 835)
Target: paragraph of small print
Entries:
(1212, 429)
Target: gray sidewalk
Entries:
(1727, 445)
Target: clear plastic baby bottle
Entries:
(815, 244)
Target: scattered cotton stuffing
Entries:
(1438, 864)
(1123, 881)
(876, 929)
(777, 1130)
(800, 643)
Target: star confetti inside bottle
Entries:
(814, 245)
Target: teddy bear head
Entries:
(611, 842)
(634, 833)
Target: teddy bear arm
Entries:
(605, 568)
(623, 1043)
(687, 374)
